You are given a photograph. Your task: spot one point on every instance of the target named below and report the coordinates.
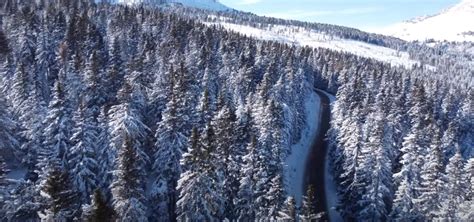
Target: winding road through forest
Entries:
(315, 163)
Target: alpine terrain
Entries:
(188, 110)
(452, 24)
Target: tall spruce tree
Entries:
(62, 203)
(431, 177)
(127, 187)
(454, 190)
(200, 197)
(99, 209)
(289, 212)
(83, 153)
(246, 195)
(308, 207)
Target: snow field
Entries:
(307, 37)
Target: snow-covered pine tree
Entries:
(225, 158)
(105, 155)
(205, 110)
(44, 60)
(62, 202)
(4, 183)
(70, 72)
(465, 211)
(127, 187)
(414, 148)
(200, 197)
(8, 139)
(454, 190)
(83, 152)
(351, 171)
(29, 111)
(407, 180)
(7, 71)
(127, 121)
(23, 204)
(307, 212)
(275, 197)
(465, 119)
(115, 71)
(347, 153)
(288, 212)
(431, 177)
(20, 88)
(99, 209)
(450, 140)
(377, 167)
(4, 48)
(245, 210)
(94, 95)
(245, 80)
(56, 134)
(170, 143)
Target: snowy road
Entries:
(311, 152)
(315, 162)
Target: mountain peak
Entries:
(452, 24)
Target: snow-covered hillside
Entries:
(214, 5)
(291, 34)
(453, 24)
(312, 38)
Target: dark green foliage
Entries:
(4, 48)
(100, 210)
(62, 198)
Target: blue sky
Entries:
(363, 14)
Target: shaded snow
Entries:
(17, 174)
(307, 37)
(295, 164)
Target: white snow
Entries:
(307, 37)
(453, 24)
(17, 174)
(295, 164)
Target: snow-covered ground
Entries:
(308, 37)
(295, 164)
(17, 174)
(453, 24)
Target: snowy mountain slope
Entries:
(312, 38)
(453, 24)
(315, 35)
(214, 5)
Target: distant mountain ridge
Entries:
(452, 24)
(214, 5)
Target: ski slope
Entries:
(306, 37)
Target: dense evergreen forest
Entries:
(141, 114)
